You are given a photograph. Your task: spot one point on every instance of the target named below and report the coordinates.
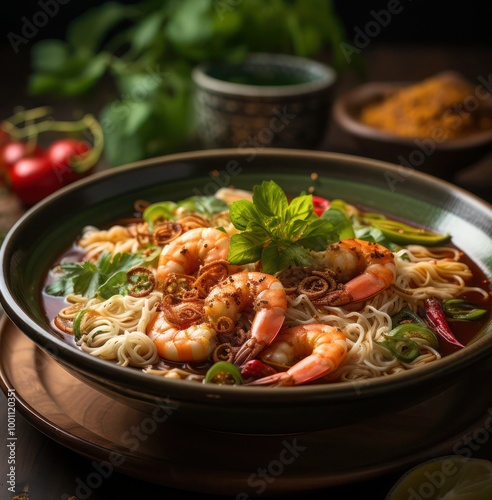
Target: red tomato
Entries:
(31, 179)
(62, 153)
(15, 150)
(320, 205)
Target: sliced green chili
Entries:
(403, 234)
(399, 341)
(459, 310)
(223, 373)
(142, 281)
(159, 212)
(77, 323)
(406, 315)
(413, 330)
(405, 350)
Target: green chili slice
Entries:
(141, 280)
(223, 373)
(77, 323)
(413, 330)
(405, 350)
(159, 212)
(399, 341)
(403, 234)
(460, 310)
(406, 315)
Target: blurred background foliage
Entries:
(148, 49)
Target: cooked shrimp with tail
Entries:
(365, 268)
(243, 292)
(319, 348)
(234, 296)
(194, 343)
(192, 249)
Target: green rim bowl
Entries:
(49, 228)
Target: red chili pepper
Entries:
(320, 205)
(256, 369)
(436, 318)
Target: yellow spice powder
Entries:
(438, 105)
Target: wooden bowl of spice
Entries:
(438, 125)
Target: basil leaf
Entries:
(244, 248)
(300, 208)
(277, 256)
(340, 222)
(318, 235)
(270, 200)
(372, 234)
(242, 213)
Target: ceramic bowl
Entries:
(434, 156)
(267, 100)
(48, 229)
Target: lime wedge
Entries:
(452, 477)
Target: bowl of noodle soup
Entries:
(108, 339)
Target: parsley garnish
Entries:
(276, 232)
(105, 278)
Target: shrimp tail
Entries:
(275, 380)
(305, 371)
(370, 283)
(268, 322)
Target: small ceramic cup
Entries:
(268, 100)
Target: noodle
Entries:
(120, 327)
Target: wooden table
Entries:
(47, 470)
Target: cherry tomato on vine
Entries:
(33, 178)
(32, 173)
(13, 151)
(62, 154)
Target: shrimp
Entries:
(366, 269)
(194, 343)
(223, 307)
(245, 291)
(320, 348)
(188, 252)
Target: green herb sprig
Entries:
(147, 50)
(275, 232)
(104, 278)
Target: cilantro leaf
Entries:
(276, 232)
(105, 277)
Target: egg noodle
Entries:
(117, 328)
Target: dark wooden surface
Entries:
(47, 470)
